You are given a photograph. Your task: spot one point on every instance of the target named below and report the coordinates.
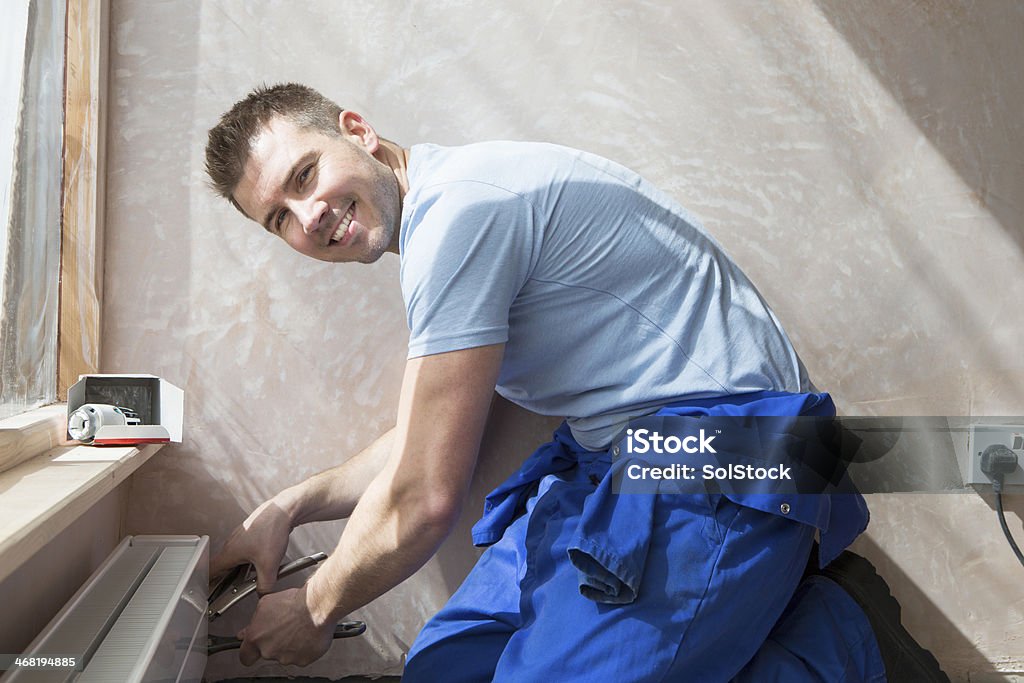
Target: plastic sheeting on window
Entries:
(31, 193)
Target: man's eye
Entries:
(280, 218)
(304, 175)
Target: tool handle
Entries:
(346, 629)
(239, 583)
(300, 564)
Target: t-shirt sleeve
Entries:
(468, 251)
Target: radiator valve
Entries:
(87, 420)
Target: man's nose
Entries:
(311, 213)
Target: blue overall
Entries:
(588, 585)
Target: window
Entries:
(31, 168)
(51, 196)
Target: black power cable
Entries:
(996, 462)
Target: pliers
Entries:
(241, 581)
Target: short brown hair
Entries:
(229, 143)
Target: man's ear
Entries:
(358, 130)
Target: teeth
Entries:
(343, 226)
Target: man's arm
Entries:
(263, 537)
(405, 513)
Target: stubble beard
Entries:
(386, 191)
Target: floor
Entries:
(347, 679)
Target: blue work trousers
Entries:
(715, 596)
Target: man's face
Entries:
(326, 196)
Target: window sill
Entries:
(50, 488)
(29, 434)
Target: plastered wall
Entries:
(861, 161)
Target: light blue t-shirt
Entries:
(611, 298)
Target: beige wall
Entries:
(861, 161)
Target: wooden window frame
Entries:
(36, 432)
(82, 204)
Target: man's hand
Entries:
(282, 629)
(262, 540)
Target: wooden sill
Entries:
(42, 496)
(29, 434)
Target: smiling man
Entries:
(572, 287)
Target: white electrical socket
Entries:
(981, 436)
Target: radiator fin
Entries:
(80, 631)
(137, 633)
(141, 617)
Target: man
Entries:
(573, 288)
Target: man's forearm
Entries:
(334, 493)
(414, 502)
(389, 536)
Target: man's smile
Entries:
(343, 234)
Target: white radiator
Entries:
(140, 617)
